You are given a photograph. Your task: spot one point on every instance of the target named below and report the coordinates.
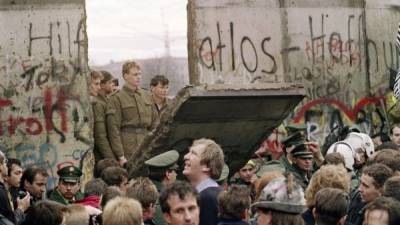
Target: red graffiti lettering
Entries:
(48, 109)
(13, 124)
(30, 126)
(62, 110)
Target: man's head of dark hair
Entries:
(331, 204)
(30, 173)
(110, 193)
(387, 145)
(103, 164)
(234, 202)
(181, 189)
(388, 157)
(392, 188)
(11, 162)
(379, 173)
(334, 158)
(157, 174)
(390, 205)
(45, 213)
(393, 126)
(159, 79)
(95, 187)
(106, 76)
(114, 175)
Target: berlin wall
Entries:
(340, 50)
(45, 110)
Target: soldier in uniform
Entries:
(246, 176)
(162, 171)
(102, 148)
(131, 114)
(68, 188)
(302, 167)
(159, 90)
(268, 164)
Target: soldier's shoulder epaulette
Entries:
(114, 93)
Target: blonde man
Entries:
(95, 79)
(122, 211)
(203, 165)
(130, 115)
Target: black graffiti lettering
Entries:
(201, 57)
(29, 74)
(335, 43)
(247, 39)
(315, 39)
(80, 45)
(306, 74)
(391, 65)
(42, 78)
(274, 66)
(69, 39)
(220, 46)
(59, 39)
(349, 38)
(49, 37)
(232, 44)
(374, 47)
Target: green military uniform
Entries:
(56, 196)
(301, 176)
(161, 108)
(297, 137)
(102, 148)
(70, 174)
(131, 115)
(160, 164)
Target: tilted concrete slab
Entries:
(238, 118)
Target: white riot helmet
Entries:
(346, 151)
(360, 141)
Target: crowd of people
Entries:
(352, 181)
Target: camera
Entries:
(22, 194)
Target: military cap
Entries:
(293, 128)
(294, 139)
(69, 173)
(165, 160)
(224, 174)
(301, 151)
(250, 163)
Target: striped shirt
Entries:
(398, 38)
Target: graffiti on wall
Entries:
(342, 60)
(44, 104)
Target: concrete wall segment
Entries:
(44, 102)
(340, 50)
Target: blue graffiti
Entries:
(46, 156)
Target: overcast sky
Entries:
(131, 29)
